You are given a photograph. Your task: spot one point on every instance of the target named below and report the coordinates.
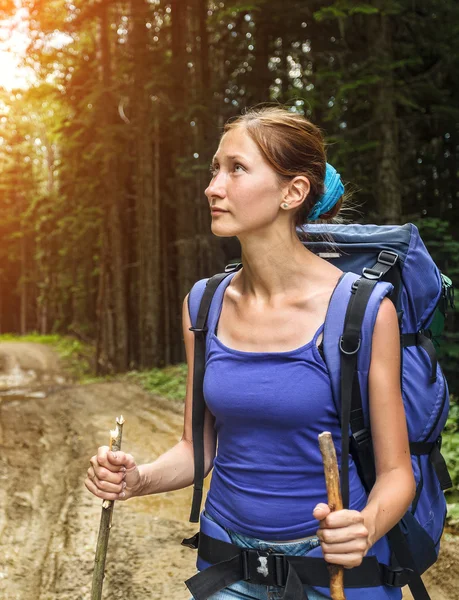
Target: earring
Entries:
(284, 205)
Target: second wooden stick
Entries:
(335, 502)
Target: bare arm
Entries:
(395, 487)
(172, 470)
(347, 535)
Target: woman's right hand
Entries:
(112, 476)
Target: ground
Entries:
(49, 428)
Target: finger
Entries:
(120, 459)
(321, 511)
(108, 487)
(348, 561)
(104, 474)
(101, 459)
(343, 534)
(100, 493)
(359, 546)
(343, 518)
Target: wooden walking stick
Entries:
(335, 502)
(105, 522)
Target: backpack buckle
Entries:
(233, 267)
(196, 330)
(371, 273)
(361, 438)
(396, 577)
(192, 542)
(387, 258)
(425, 332)
(267, 568)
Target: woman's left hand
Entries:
(344, 538)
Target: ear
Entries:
(297, 191)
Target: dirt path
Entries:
(49, 522)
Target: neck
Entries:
(275, 264)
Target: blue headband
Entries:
(334, 189)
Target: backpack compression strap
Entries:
(200, 329)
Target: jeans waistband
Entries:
(298, 547)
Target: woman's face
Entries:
(243, 185)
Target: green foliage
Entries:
(444, 249)
(345, 8)
(169, 381)
(450, 447)
(450, 450)
(453, 515)
(236, 9)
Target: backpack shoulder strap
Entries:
(199, 303)
(194, 299)
(347, 348)
(334, 329)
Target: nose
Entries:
(216, 187)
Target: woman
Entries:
(267, 178)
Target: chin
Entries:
(220, 231)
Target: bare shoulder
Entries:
(327, 279)
(386, 340)
(386, 312)
(386, 324)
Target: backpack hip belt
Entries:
(231, 563)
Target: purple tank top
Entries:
(269, 408)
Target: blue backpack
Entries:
(394, 262)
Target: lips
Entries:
(217, 210)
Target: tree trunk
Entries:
(165, 354)
(387, 177)
(147, 203)
(101, 316)
(117, 338)
(185, 237)
(23, 279)
(262, 54)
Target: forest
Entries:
(105, 152)
(110, 114)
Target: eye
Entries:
(213, 168)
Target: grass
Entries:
(453, 516)
(168, 382)
(450, 450)
(77, 358)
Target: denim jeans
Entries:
(243, 590)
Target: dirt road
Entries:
(49, 522)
